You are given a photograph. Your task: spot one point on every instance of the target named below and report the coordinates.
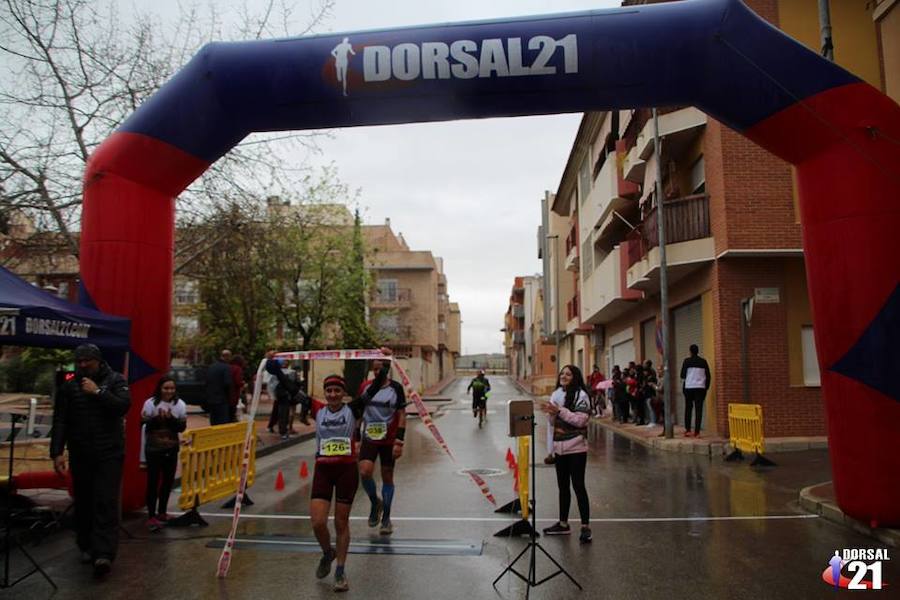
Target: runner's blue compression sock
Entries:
(369, 487)
(339, 570)
(387, 492)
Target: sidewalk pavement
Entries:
(820, 499)
(438, 388)
(710, 445)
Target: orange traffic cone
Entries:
(304, 470)
(279, 481)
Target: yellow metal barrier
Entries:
(745, 424)
(522, 465)
(211, 463)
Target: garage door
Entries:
(688, 329)
(622, 353)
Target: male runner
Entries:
(384, 427)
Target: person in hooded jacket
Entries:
(88, 417)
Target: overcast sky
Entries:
(469, 191)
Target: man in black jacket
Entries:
(88, 418)
(695, 373)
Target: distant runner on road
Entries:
(479, 386)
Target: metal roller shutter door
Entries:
(688, 329)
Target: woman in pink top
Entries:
(570, 449)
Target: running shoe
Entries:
(558, 529)
(102, 566)
(324, 567)
(340, 583)
(375, 512)
(386, 527)
(154, 524)
(585, 537)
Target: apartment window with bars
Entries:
(811, 375)
(387, 290)
(584, 178)
(587, 256)
(698, 176)
(186, 292)
(387, 323)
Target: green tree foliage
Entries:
(235, 312)
(33, 370)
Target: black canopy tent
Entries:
(30, 316)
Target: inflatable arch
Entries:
(841, 133)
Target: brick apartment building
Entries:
(733, 233)
(410, 308)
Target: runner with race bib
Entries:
(384, 427)
(336, 471)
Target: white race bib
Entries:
(376, 431)
(337, 446)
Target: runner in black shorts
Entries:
(480, 386)
(383, 430)
(336, 471)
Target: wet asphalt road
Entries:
(665, 526)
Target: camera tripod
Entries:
(7, 520)
(533, 545)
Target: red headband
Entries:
(333, 380)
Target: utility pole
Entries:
(663, 282)
(556, 295)
(825, 30)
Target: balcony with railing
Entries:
(689, 243)
(518, 311)
(518, 337)
(391, 298)
(572, 250)
(401, 334)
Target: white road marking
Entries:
(508, 520)
(397, 545)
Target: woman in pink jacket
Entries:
(570, 449)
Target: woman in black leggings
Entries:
(570, 450)
(164, 416)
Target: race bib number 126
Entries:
(335, 447)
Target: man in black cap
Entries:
(88, 418)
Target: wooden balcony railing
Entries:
(686, 219)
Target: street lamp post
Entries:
(668, 429)
(556, 302)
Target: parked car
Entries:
(191, 382)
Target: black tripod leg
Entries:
(559, 566)
(37, 568)
(510, 567)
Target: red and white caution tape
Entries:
(225, 558)
(332, 355)
(227, 551)
(426, 418)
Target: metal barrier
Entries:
(211, 463)
(745, 426)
